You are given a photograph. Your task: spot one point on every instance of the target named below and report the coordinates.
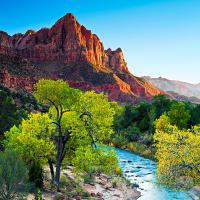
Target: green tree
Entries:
(15, 105)
(74, 120)
(195, 116)
(13, 176)
(160, 104)
(178, 115)
(61, 98)
(8, 111)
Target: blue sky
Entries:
(158, 37)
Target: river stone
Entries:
(135, 185)
(195, 192)
(139, 167)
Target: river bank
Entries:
(104, 187)
(101, 187)
(139, 149)
(142, 184)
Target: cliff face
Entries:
(71, 52)
(67, 41)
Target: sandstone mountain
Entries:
(179, 87)
(70, 52)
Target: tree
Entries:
(178, 115)
(160, 104)
(13, 176)
(178, 153)
(60, 97)
(15, 105)
(195, 115)
(8, 115)
(74, 120)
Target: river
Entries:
(142, 171)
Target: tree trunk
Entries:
(51, 170)
(58, 165)
(57, 175)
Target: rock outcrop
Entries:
(69, 51)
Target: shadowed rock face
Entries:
(69, 51)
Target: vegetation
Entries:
(14, 176)
(60, 126)
(15, 105)
(134, 125)
(165, 130)
(177, 153)
(68, 133)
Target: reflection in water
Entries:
(142, 171)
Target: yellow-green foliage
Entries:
(32, 139)
(95, 160)
(56, 92)
(178, 153)
(75, 122)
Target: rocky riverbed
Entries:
(109, 188)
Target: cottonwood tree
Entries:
(74, 120)
(178, 153)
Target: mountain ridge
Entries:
(180, 87)
(70, 52)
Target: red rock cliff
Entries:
(66, 41)
(69, 51)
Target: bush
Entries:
(133, 133)
(36, 175)
(88, 178)
(14, 176)
(119, 182)
(119, 140)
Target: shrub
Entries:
(38, 195)
(88, 178)
(14, 176)
(119, 140)
(36, 174)
(119, 182)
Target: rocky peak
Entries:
(69, 51)
(4, 39)
(116, 60)
(67, 41)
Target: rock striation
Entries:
(69, 51)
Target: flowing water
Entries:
(142, 171)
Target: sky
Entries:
(158, 37)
